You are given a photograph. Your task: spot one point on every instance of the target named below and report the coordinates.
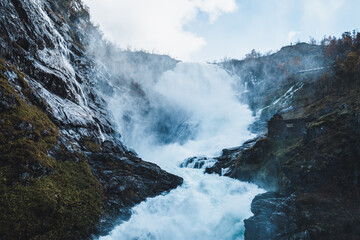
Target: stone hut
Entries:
(281, 128)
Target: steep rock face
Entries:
(278, 82)
(269, 221)
(313, 174)
(315, 178)
(64, 151)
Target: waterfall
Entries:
(188, 111)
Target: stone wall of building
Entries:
(281, 128)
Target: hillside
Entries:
(312, 176)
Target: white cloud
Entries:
(321, 10)
(215, 7)
(156, 25)
(291, 36)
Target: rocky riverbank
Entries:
(314, 181)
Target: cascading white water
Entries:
(200, 103)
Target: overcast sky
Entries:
(207, 30)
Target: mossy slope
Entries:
(40, 198)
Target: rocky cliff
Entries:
(64, 173)
(312, 175)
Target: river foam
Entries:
(200, 100)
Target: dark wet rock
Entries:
(274, 218)
(198, 162)
(302, 217)
(44, 133)
(25, 126)
(127, 180)
(7, 101)
(228, 157)
(219, 165)
(37, 170)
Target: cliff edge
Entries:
(64, 172)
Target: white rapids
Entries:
(205, 206)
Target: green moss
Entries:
(330, 119)
(41, 198)
(63, 205)
(281, 147)
(90, 145)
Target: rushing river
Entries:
(191, 110)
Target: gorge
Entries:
(102, 143)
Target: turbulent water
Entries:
(190, 110)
